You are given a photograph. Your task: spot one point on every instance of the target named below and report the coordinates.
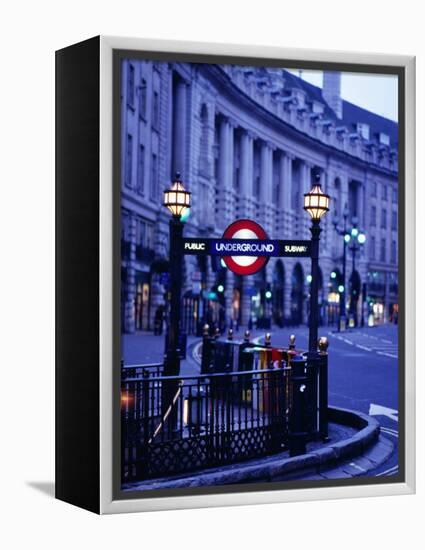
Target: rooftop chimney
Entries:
(331, 91)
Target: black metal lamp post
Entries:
(342, 323)
(177, 200)
(316, 203)
(357, 239)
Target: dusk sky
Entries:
(377, 93)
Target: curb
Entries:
(282, 465)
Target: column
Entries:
(210, 189)
(228, 296)
(305, 188)
(366, 205)
(231, 206)
(209, 282)
(225, 174)
(281, 205)
(327, 178)
(288, 290)
(246, 173)
(266, 185)
(179, 130)
(344, 191)
(362, 205)
(130, 305)
(246, 301)
(285, 194)
(290, 189)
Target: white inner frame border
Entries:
(107, 504)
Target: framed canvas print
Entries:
(235, 274)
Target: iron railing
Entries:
(250, 401)
(180, 424)
(154, 370)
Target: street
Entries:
(363, 375)
(363, 370)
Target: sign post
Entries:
(245, 249)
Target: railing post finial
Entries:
(323, 344)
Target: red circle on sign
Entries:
(259, 233)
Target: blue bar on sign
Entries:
(244, 247)
(247, 247)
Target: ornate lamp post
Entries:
(316, 203)
(342, 295)
(357, 239)
(177, 200)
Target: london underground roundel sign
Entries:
(245, 229)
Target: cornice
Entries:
(241, 100)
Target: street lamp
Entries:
(357, 239)
(177, 200)
(346, 239)
(316, 203)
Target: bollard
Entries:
(292, 342)
(268, 340)
(230, 334)
(247, 336)
(323, 345)
(297, 421)
(217, 333)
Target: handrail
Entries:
(166, 414)
(213, 375)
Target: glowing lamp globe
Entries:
(361, 238)
(316, 202)
(177, 199)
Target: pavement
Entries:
(363, 371)
(363, 375)
(354, 449)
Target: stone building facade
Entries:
(245, 140)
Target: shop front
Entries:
(142, 301)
